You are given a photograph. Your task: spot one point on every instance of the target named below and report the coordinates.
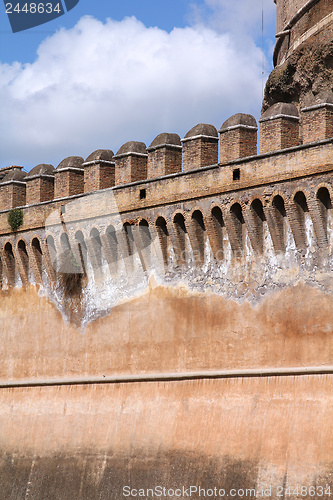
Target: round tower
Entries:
(303, 54)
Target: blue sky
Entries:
(22, 46)
(108, 72)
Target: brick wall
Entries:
(68, 182)
(199, 152)
(237, 143)
(39, 189)
(278, 133)
(12, 195)
(164, 160)
(130, 168)
(317, 123)
(98, 176)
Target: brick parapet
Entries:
(278, 132)
(199, 151)
(12, 194)
(237, 142)
(317, 122)
(39, 188)
(164, 159)
(130, 167)
(98, 175)
(68, 181)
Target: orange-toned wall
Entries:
(88, 441)
(166, 330)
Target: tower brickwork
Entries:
(303, 52)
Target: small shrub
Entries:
(15, 218)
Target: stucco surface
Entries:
(87, 442)
(166, 329)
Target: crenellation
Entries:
(13, 189)
(69, 177)
(238, 137)
(99, 170)
(164, 155)
(181, 175)
(131, 163)
(200, 147)
(279, 127)
(279, 132)
(40, 184)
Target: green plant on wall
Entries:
(15, 218)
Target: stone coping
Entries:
(317, 106)
(132, 153)
(97, 162)
(201, 136)
(165, 145)
(275, 117)
(39, 176)
(69, 169)
(234, 127)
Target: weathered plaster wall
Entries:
(166, 330)
(87, 442)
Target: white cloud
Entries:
(99, 85)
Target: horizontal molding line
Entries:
(169, 377)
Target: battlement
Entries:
(179, 191)
(282, 127)
(167, 310)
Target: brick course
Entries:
(68, 182)
(164, 160)
(130, 168)
(317, 123)
(39, 189)
(98, 176)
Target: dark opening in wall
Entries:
(83, 251)
(300, 199)
(38, 254)
(257, 218)
(237, 219)
(278, 228)
(324, 204)
(23, 255)
(199, 232)
(143, 194)
(96, 249)
(300, 208)
(112, 256)
(323, 196)
(258, 209)
(236, 174)
(217, 236)
(278, 203)
(163, 235)
(181, 231)
(10, 263)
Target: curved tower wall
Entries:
(303, 52)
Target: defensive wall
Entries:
(166, 313)
(153, 296)
(179, 189)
